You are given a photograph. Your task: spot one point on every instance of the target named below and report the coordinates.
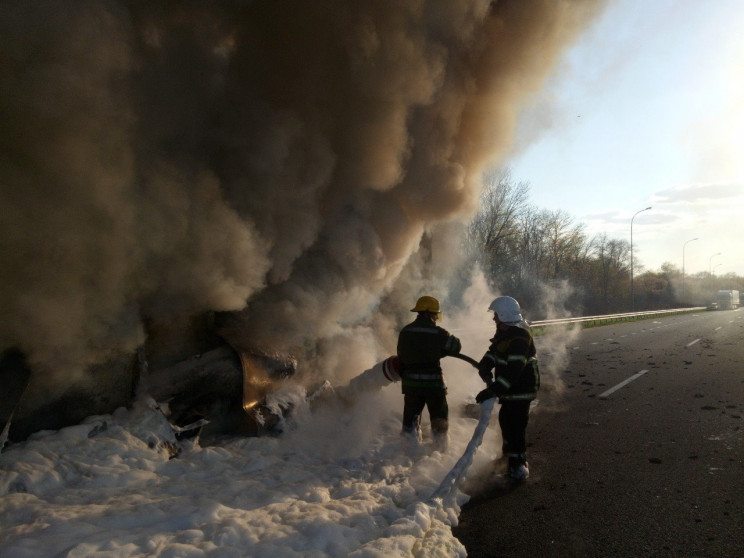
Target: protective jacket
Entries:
(512, 357)
(420, 346)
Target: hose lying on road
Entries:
(458, 472)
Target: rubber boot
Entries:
(518, 468)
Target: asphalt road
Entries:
(652, 467)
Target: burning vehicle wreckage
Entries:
(222, 391)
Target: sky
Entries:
(647, 109)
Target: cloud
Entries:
(699, 194)
(679, 206)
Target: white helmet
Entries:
(507, 309)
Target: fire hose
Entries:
(468, 359)
(460, 469)
(388, 371)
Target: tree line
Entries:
(539, 256)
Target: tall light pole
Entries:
(710, 260)
(632, 299)
(683, 266)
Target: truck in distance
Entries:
(728, 299)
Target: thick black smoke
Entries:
(278, 159)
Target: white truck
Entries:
(728, 299)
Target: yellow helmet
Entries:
(428, 304)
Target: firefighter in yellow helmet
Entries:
(421, 344)
(509, 367)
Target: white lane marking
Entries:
(691, 343)
(719, 327)
(622, 384)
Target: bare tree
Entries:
(611, 256)
(488, 234)
(524, 250)
(564, 243)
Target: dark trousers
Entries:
(513, 418)
(435, 400)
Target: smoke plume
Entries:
(299, 165)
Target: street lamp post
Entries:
(683, 266)
(710, 260)
(632, 298)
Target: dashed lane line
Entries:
(691, 343)
(624, 383)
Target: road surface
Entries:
(636, 448)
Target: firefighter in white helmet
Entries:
(421, 344)
(510, 369)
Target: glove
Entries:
(485, 375)
(485, 394)
(484, 369)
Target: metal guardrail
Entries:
(593, 320)
(628, 316)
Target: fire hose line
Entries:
(458, 472)
(388, 371)
(468, 359)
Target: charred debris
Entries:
(202, 384)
